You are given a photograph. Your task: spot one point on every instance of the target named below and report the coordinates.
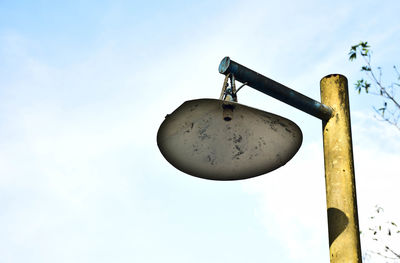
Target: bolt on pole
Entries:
(344, 235)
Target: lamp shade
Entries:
(221, 140)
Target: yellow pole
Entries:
(344, 236)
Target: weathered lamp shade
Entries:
(221, 140)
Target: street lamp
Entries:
(224, 140)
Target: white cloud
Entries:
(293, 206)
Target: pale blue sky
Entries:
(85, 85)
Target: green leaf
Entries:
(367, 86)
(382, 110)
(364, 50)
(354, 48)
(353, 56)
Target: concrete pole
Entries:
(344, 235)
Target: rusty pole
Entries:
(344, 235)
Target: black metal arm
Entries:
(275, 89)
